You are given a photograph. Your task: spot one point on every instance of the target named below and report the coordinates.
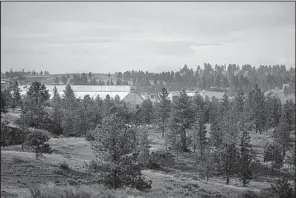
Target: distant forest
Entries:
(216, 78)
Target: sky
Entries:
(101, 37)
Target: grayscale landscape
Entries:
(148, 99)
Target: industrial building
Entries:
(125, 93)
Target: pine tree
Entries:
(199, 135)
(246, 155)
(274, 152)
(33, 113)
(6, 99)
(172, 137)
(69, 107)
(183, 116)
(256, 100)
(80, 124)
(115, 151)
(224, 104)
(228, 148)
(282, 133)
(163, 109)
(57, 112)
(144, 147)
(207, 165)
(16, 96)
(147, 111)
(239, 101)
(289, 112)
(108, 104)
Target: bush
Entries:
(93, 166)
(36, 139)
(17, 159)
(249, 194)
(282, 188)
(45, 148)
(11, 135)
(126, 175)
(160, 158)
(64, 166)
(267, 193)
(274, 152)
(89, 136)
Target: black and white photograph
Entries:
(148, 99)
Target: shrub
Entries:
(17, 159)
(45, 148)
(126, 174)
(36, 139)
(94, 166)
(282, 188)
(11, 135)
(160, 158)
(267, 193)
(64, 166)
(274, 152)
(89, 136)
(249, 194)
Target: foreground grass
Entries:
(23, 175)
(51, 190)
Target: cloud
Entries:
(145, 35)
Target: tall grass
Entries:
(52, 191)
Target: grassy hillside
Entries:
(20, 171)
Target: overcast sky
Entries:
(108, 37)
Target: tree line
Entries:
(11, 73)
(216, 78)
(212, 77)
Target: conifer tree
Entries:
(147, 111)
(207, 165)
(69, 107)
(80, 125)
(246, 155)
(57, 112)
(143, 146)
(108, 104)
(282, 133)
(239, 101)
(199, 134)
(115, 148)
(256, 100)
(16, 96)
(224, 104)
(183, 116)
(33, 113)
(289, 112)
(227, 139)
(163, 109)
(273, 152)
(6, 99)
